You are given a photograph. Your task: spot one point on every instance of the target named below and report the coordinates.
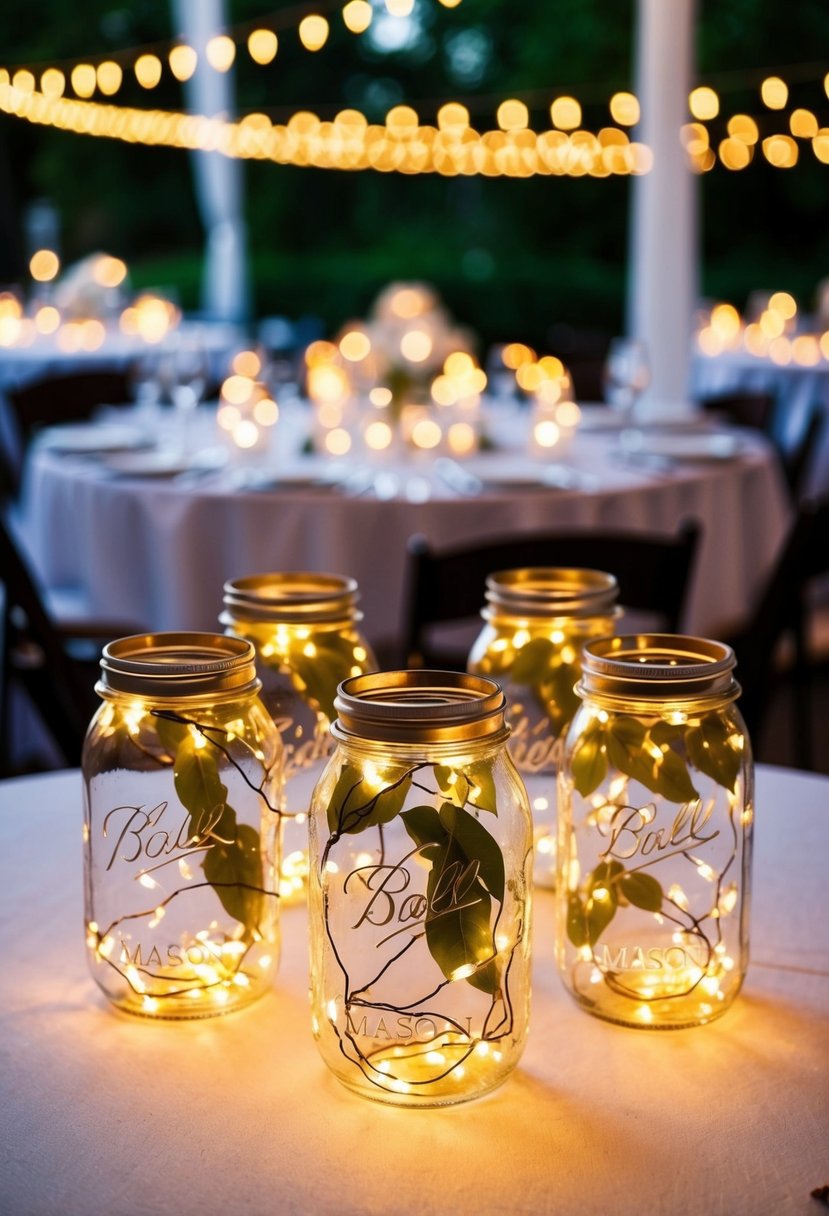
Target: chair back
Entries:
(33, 655)
(754, 409)
(445, 586)
(798, 444)
(55, 399)
(781, 609)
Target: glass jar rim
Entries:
(290, 596)
(551, 591)
(419, 706)
(655, 666)
(174, 665)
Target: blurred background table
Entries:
(158, 547)
(104, 1114)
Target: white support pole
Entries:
(218, 179)
(664, 253)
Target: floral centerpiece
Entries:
(405, 373)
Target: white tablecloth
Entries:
(106, 1115)
(159, 551)
(44, 357)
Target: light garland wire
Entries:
(402, 144)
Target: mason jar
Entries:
(305, 628)
(537, 621)
(656, 807)
(181, 772)
(419, 894)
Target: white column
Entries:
(663, 257)
(218, 179)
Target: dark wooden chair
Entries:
(796, 431)
(55, 399)
(55, 663)
(781, 611)
(449, 585)
(743, 409)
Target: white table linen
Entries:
(103, 1114)
(158, 550)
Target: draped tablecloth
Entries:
(102, 1114)
(159, 550)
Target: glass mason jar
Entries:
(655, 819)
(419, 893)
(181, 771)
(536, 623)
(305, 628)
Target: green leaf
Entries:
(710, 752)
(481, 786)
(666, 732)
(232, 857)
(463, 857)
(588, 918)
(197, 783)
(589, 762)
(233, 866)
(317, 676)
(672, 779)
(556, 692)
(478, 845)
(625, 737)
(605, 874)
(576, 920)
(170, 733)
(452, 783)
(642, 890)
(357, 804)
(629, 731)
(532, 661)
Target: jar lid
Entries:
(554, 591)
(419, 707)
(290, 596)
(179, 665)
(653, 666)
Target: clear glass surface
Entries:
(419, 901)
(654, 856)
(182, 851)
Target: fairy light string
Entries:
(40, 93)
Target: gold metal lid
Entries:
(176, 665)
(419, 707)
(551, 591)
(291, 597)
(653, 666)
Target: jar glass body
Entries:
(181, 851)
(535, 657)
(303, 651)
(654, 857)
(420, 902)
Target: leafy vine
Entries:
(232, 861)
(458, 916)
(655, 756)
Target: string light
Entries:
(511, 150)
(349, 142)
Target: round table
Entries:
(106, 1114)
(158, 549)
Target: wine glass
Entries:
(185, 376)
(626, 373)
